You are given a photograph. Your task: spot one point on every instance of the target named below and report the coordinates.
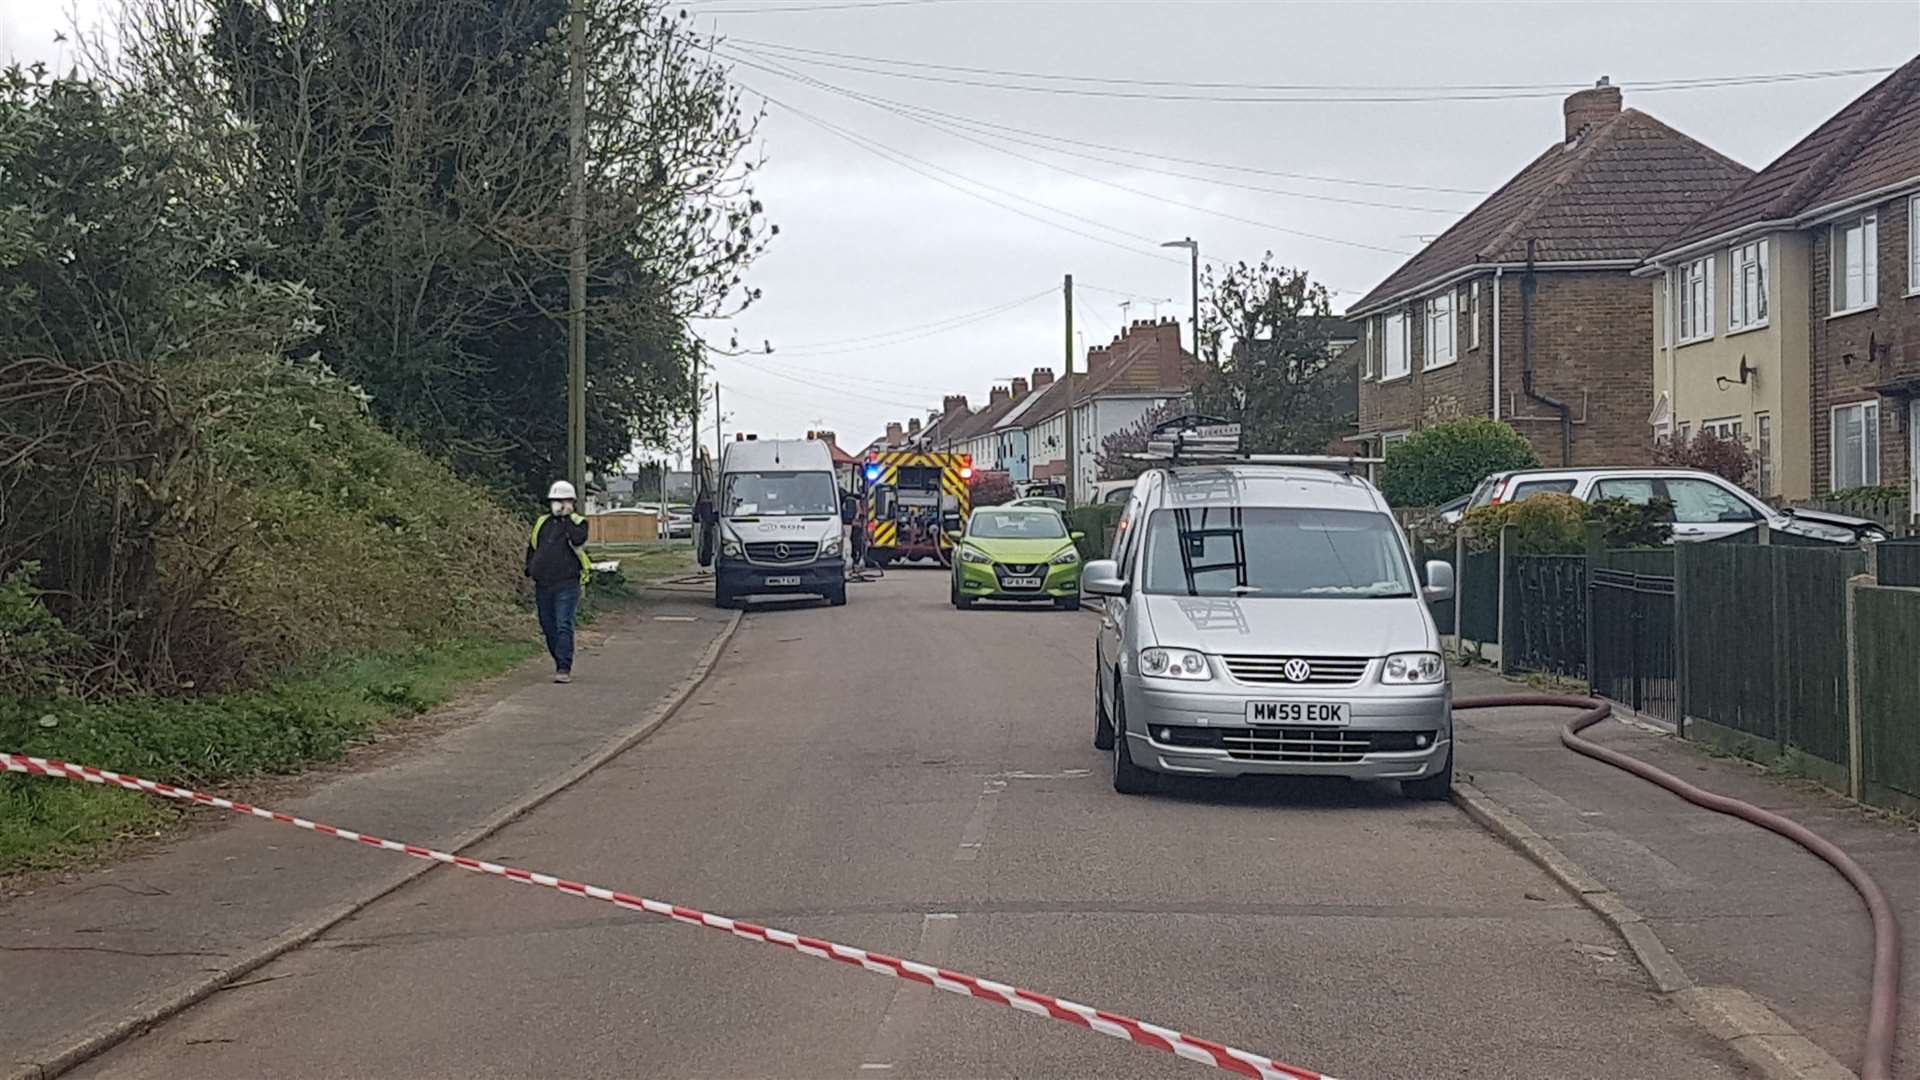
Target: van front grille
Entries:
(1318, 670)
(780, 552)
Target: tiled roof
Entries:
(1872, 143)
(1628, 185)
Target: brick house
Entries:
(1526, 310)
(1824, 239)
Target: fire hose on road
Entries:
(1883, 1007)
(1878, 1050)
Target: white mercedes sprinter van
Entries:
(778, 516)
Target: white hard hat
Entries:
(560, 490)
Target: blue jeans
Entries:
(556, 607)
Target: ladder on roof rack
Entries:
(1203, 440)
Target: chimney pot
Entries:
(1588, 109)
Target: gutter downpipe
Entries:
(1527, 286)
(1497, 271)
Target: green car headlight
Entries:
(1066, 558)
(975, 556)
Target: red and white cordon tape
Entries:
(1027, 1001)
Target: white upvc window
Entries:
(1396, 360)
(1369, 366)
(1695, 281)
(1747, 286)
(1725, 428)
(1473, 315)
(1913, 246)
(1855, 445)
(1392, 438)
(1854, 262)
(1442, 345)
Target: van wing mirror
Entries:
(1101, 577)
(1439, 582)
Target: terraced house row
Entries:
(1632, 285)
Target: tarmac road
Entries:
(911, 779)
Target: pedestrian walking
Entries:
(557, 562)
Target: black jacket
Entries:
(554, 557)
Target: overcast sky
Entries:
(874, 257)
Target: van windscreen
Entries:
(1275, 552)
(779, 494)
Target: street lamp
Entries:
(1193, 246)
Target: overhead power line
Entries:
(845, 5)
(1091, 178)
(812, 383)
(827, 59)
(1547, 89)
(910, 333)
(932, 172)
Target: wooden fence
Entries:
(1895, 515)
(1887, 639)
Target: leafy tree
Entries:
(1264, 343)
(1727, 458)
(1115, 458)
(991, 488)
(1445, 461)
(409, 160)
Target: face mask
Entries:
(560, 507)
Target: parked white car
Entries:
(1705, 506)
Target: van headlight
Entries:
(1414, 668)
(1184, 664)
(831, 547)
(730, 547)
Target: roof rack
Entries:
(1210, 440)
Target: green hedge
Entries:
(1097, 521)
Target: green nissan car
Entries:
(1016, 553)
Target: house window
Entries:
(1441, 342)
(1368, 366)
(1392, 438)
(1747, 292)
(1856, 444)
(1727, 428)
(1473, 315)
(1696, 300)
(1763, 449)
(1913, 246)
(1396, 362)
(1683, 433)
(1855, 264)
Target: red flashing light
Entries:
(966, 472)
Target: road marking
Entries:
(676, 618)
(909, 1001)
(975, 833)
(1064, 774)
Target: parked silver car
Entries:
(1705, 506)
(1266, 619)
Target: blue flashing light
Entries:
(873, 472)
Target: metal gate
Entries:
(1630, 642)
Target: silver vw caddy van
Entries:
(1268, 619)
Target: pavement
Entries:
(903, 777)
(1736, 906)
(83, 958)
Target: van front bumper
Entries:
(1392, 732)
(749, 579)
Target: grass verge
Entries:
(303, 719)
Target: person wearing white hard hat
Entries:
(558, 564)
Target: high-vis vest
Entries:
(586, 564)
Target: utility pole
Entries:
(717, 447)
(1073, 463)
(577, 255)
(1193, 247)
(693, 429)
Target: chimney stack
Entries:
(1042, 378)
(1000, 395)
(894, 434)
(825, 436)
(1588, 109)
(1097, 359)
(1019, 389)
(913, 426)
(953, 403)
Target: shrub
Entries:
(1552, 523)
(1729, 459)
(1445, 461)
(992, 489)
(1870, 493)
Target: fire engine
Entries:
(910, 501)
